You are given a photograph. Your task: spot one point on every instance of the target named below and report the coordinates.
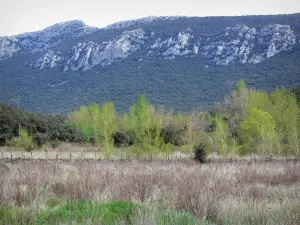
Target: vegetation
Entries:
(181, 84)
(137, 192)
(150, 193)
(249, 121)
(41, 128)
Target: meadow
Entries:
(157, 192)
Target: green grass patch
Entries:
(89, 212)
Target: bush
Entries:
(174, 136)
(200, 154)
(123, 138)
(25, 140)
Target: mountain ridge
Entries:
(143, 50)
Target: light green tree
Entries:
(286, 114)
(106, 126)
(259, 130)
(259, 100)
(24, 140)
(82, 120)
(100, 123)
(236, 105)
(221, 135)
(147, 125)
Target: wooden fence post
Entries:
(11, 157)
(70, 157)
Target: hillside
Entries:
(180, 62)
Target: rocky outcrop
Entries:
(43, 40)
(238, 44)
(173, 46)
(273, 39)
(85, 56)
(49, 60)
(235, 44)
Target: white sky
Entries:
(19, 16)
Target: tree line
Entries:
(248, 121)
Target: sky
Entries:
(19, 16)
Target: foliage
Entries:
(248, 121)
(200, 153)
(221, 135)
(24, 140)
(148, 124)
(41, 127)
(97, 123)
(259, 129)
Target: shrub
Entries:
(200, 154)
(25, 140)
(174, 136)
(123, 138)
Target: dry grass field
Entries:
(213, 193)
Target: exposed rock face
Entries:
(85, 56)
(274, 39)
(8, 47)
(236, 44)
(174, 46)
(42, 40)
(49, 60)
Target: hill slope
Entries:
(179, 62)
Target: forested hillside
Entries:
(182, 63)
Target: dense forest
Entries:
(248, 121)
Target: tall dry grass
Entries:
(224, 193)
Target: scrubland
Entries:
(139, 192)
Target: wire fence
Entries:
(69, 157)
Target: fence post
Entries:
(2, 155)
(11, 157)
(70, 157)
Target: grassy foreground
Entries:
(150, 193)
